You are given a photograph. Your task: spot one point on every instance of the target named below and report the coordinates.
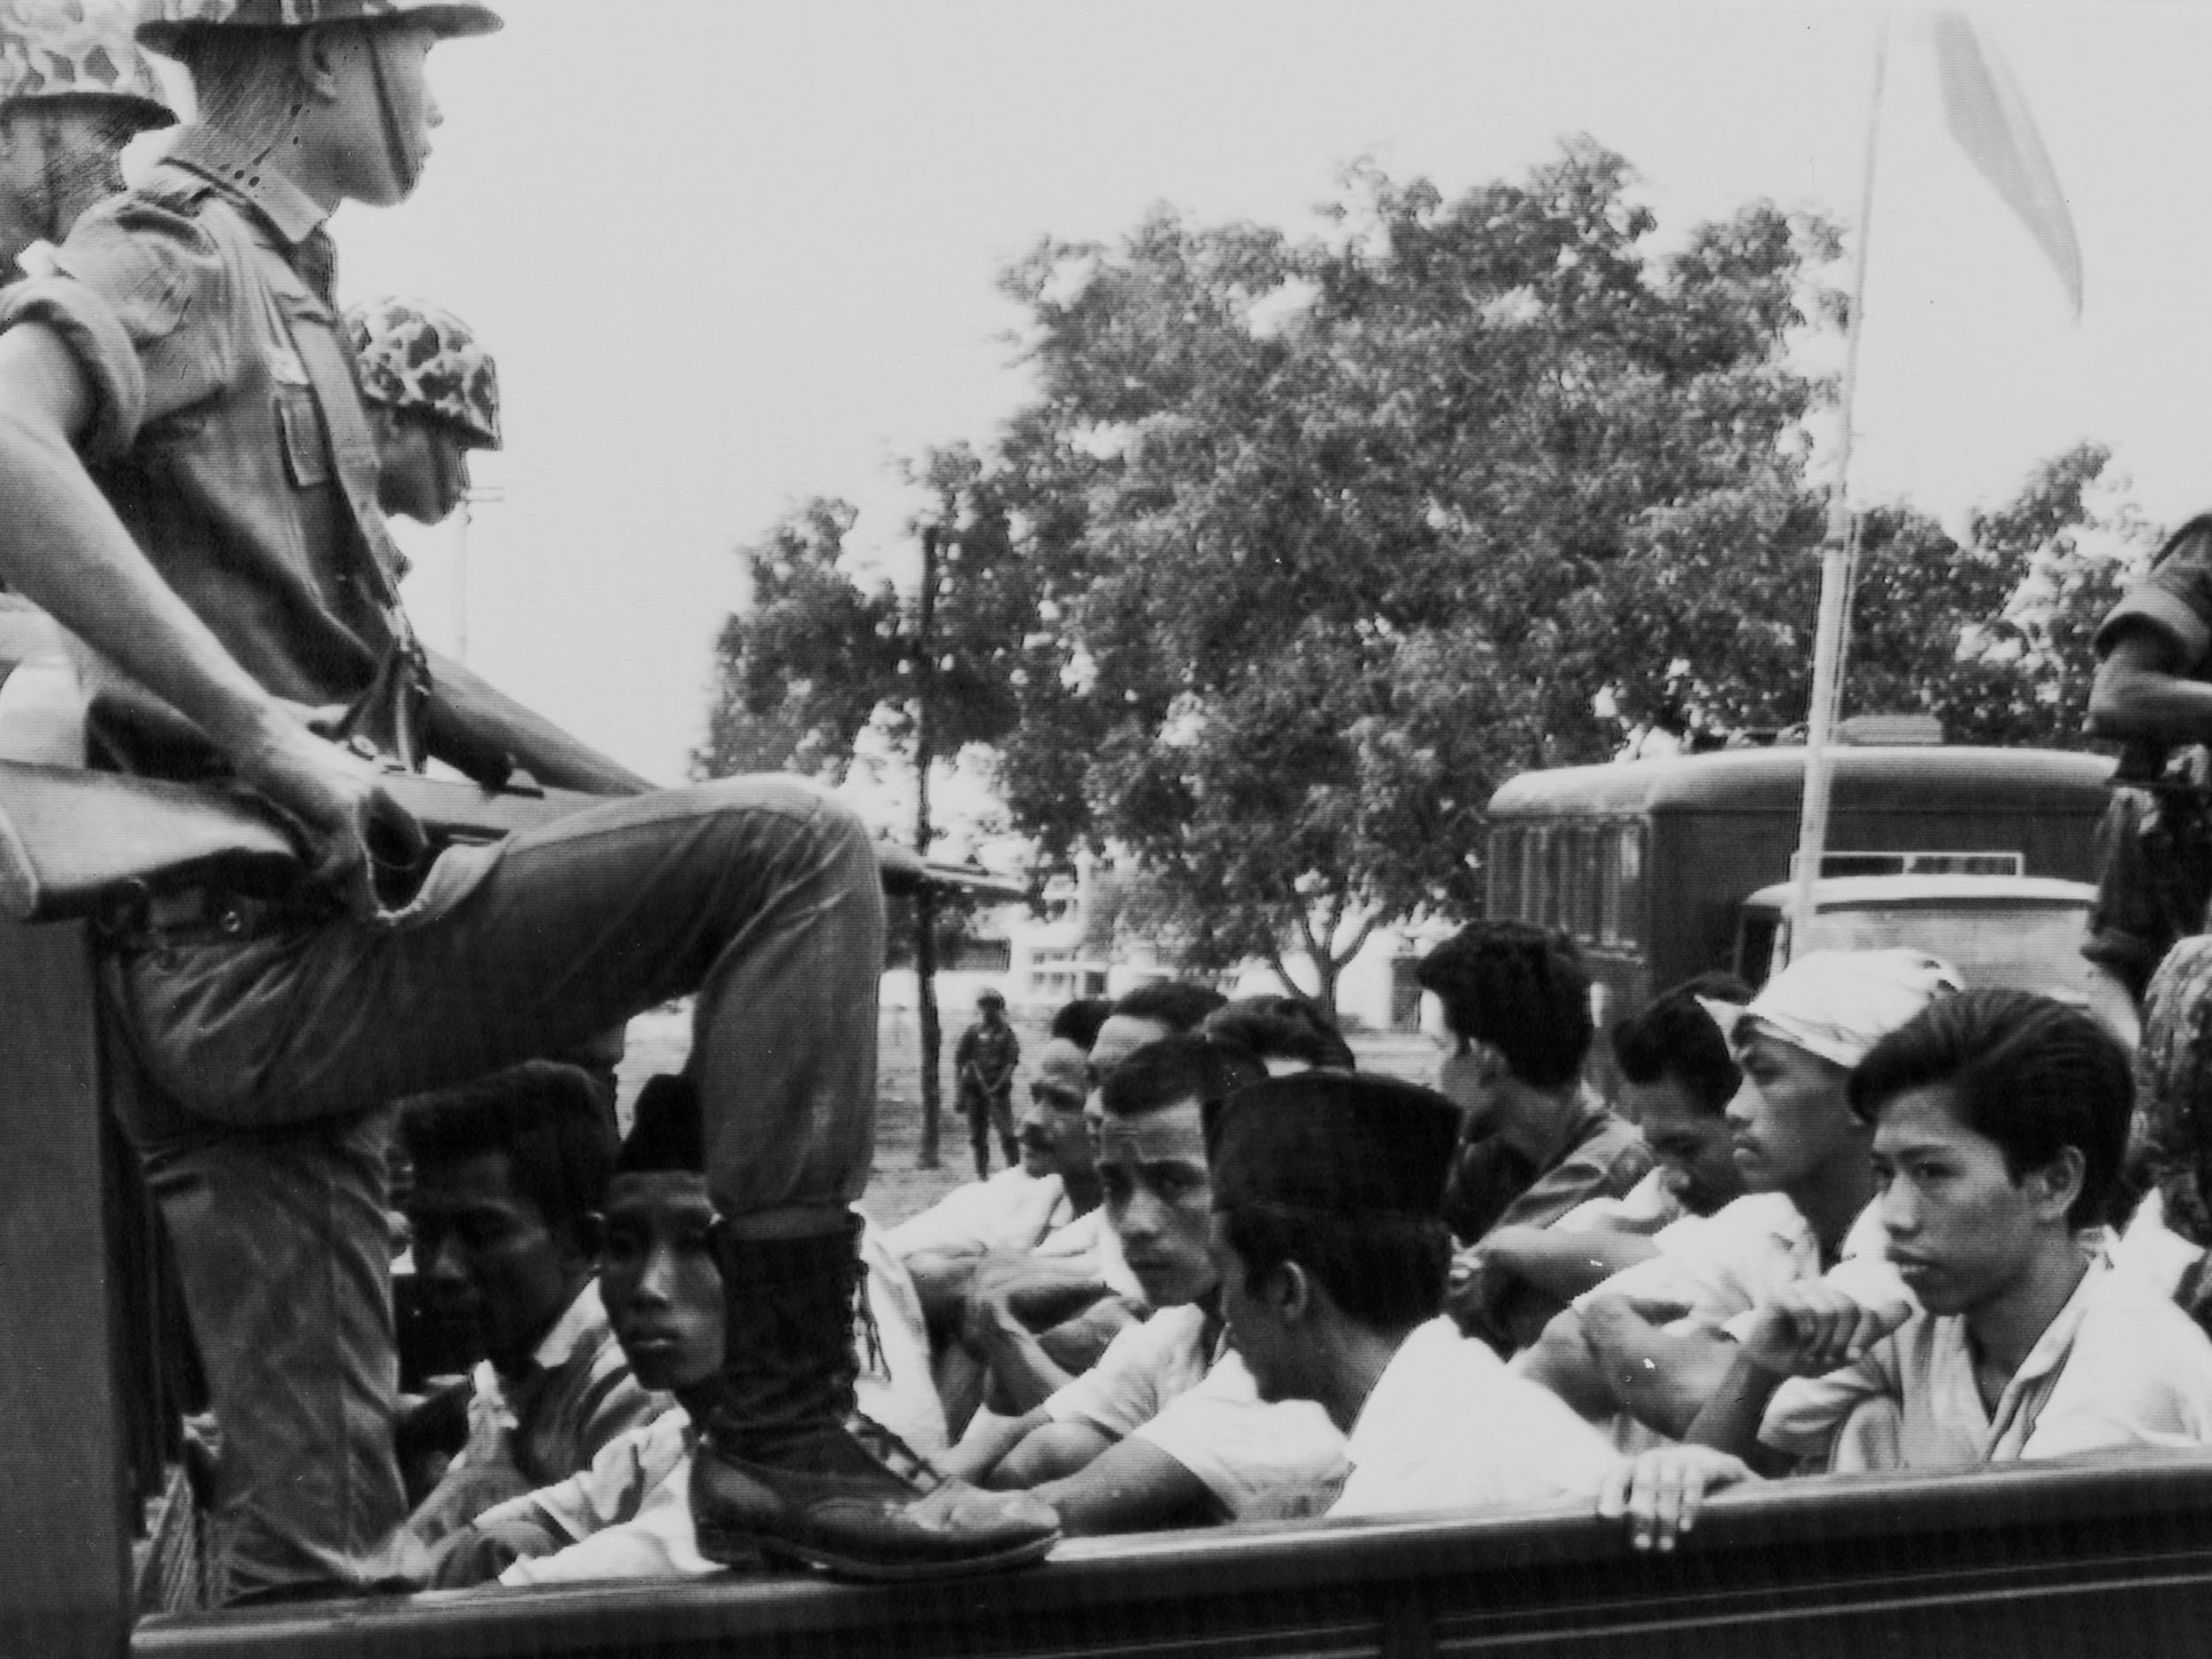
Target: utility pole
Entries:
(924, 897)
(463, 521)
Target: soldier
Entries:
(74, 90)
(2151, 695)
(985, 1057)
(193, 493)
(432, 394)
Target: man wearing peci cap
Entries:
(1656, 1340)
(1331, 1251)
(194, 493)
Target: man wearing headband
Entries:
(1656, 1342)
(1331, 1251)
(2000, 1121)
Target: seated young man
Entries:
(1678, 1078)
(2000, 1122)
(1331, 1252)
(1167, 1426)
(1024, 1318)
(1654, 1342)
(1020, 1285)
(627, 1516)
(507, 1171)
(1536, 1143)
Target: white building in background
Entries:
(1074, 949)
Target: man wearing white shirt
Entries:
(2000, 1119)
(1329, 1238)
(1654, 1342)
(1019, 1278)
(1167, 1426)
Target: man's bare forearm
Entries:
(1661, 1377)
(1730, 1419)
(486, 715)
(1024, 1371)
(1565, 1265)
(1561, 1360)
(1129, 1486)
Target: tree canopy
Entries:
(1301, 546)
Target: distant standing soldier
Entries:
(985, 1056)
(74, 90)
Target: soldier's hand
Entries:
(356, 836)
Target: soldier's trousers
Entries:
(275, 1058)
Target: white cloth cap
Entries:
(1839, 1004)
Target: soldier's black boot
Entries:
(787, 1468)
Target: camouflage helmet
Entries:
(419, 359)
(78, 50)
(169, 23)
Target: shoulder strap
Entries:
(322, 357)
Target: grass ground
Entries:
(901, 1187)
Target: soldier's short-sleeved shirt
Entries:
(200, 307)
(2173, 600)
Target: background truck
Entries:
(1662, 869)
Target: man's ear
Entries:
(315, 59)
(2055, 1187)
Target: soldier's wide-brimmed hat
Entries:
(168, 24)
(1334, 1144)
(78, 51)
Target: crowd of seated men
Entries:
(1867, 1219)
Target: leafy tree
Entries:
(1332, 535)
(822, 656)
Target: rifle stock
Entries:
(72, 840)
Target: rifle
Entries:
(71, 841)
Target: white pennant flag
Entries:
(1991, 120)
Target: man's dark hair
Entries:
(1176, 1003)
(1521, 989)
(2030, 1073)
(1078, 1022)
(1675, 1038)
(1386, 1273)
(1177, 1069)
(546, 1117)
(1281, 1028)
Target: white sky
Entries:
(733, 255)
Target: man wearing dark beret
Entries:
(1332, 1252)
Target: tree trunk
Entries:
(932, 1037)
(925, 902)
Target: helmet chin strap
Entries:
(399, 156)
